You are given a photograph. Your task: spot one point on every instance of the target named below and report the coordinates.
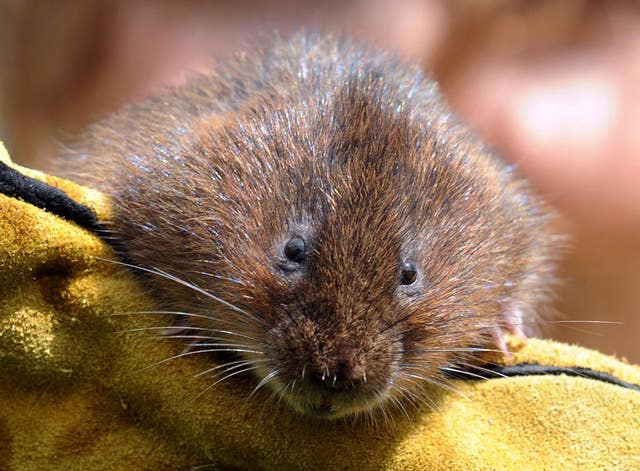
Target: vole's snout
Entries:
(334, 369)
(345, 374)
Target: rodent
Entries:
(354, 234)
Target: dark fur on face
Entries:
(362, 238)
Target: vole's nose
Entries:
(341, 377)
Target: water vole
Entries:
(317, 211)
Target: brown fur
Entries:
(356, 153)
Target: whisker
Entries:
(431, 405)
(219, 277)
(582, 322)
(230, 366)
(168, 276)
(195, 352)
(276, 394)
(582, 331)
(382, 408)
(161, 327)
(204, 466)
(172, 313)
(263, 382)
(217, 345)
(436, 383)
(452, 350)
(189, 336)
(486, 370)
(224, 378)
(424, 398)
(186, 327)
(467, 373)
(400, 406)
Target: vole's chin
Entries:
(331, 408)
(332, 405)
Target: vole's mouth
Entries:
(323, 408)
(330, 405)
(321, 377)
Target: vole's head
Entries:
(354, 239)
(373, 250)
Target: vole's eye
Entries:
(408, 274)
(294, 249)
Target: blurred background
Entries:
(552, 85)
